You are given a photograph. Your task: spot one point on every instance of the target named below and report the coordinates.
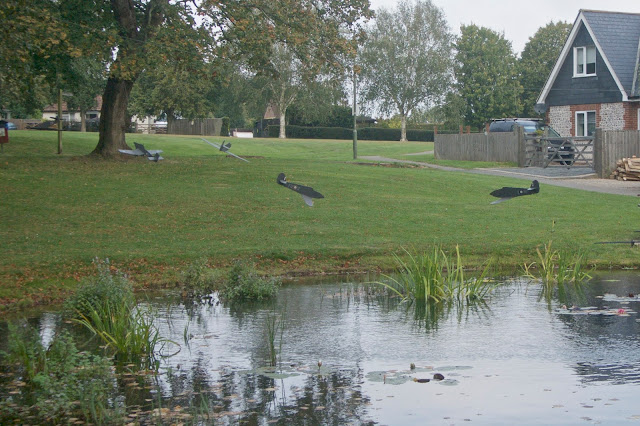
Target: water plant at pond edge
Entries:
(199, 279)
(244, 284)
(106, 307)
(52, 384)
(436, 277)
(275, 326)
(557, 269)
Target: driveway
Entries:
(582, 178)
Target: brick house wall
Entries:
(609, 116)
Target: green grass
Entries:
(152, 220)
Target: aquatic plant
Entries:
(243, 283)
(107, 286)
(198, 279)
(436, 277)
(275, 326)
(557, 269)
(55, 383)
(128, 331)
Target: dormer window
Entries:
(584, 61)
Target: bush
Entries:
(199, 280)
(244, 283)
(226, 123)
(106, 288)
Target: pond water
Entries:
(515, 359)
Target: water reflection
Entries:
(514, 355)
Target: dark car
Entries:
(557, 150)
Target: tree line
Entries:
(232, 58)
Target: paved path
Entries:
(575, 177)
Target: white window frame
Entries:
(582, 52)
(585, 128)
(638, 118)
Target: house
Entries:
(595, 81)
(50, 112)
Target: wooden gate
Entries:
(540, 151)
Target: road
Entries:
(582, 178)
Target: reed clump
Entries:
(436, 277)
(244, 284)
(106, 306)
(557, 269)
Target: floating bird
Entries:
(152, 155)
(507, 192)
(224, 148)
(307, 192)
(438, 376)
(421, 380)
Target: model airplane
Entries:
(507, 192)
(632, 242)
(224, 148)
(152, 155)
(308, 193)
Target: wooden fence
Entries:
(611, 146)
(203, 126)
(501, 147)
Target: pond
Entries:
(345, 354)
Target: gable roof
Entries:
(617, 38)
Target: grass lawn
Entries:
(152, 220)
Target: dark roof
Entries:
(619, 36)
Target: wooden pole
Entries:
(355, 122)
(59, 121)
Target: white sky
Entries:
(518, 20)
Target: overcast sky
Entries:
(518, 20)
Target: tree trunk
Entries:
(403, 131)
(283, 133)
(113, 117)
(83, 120)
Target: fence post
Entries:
(598, 153)
(519, 134)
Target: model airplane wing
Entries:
(307, 193)
(507, 192)
(136, 152)
(224, 148)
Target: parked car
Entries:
(533, 126)
(8, 125)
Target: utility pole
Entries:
(59, 120)
(355, 109)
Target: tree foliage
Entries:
(486, 74)
(538, 59)
(407, 59)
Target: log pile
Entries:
(627, 169)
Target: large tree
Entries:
(240, 28)
(487, 75)
(537, 60)
(407, 59)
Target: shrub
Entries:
(243, 283)
(199, 280)
(108, 286)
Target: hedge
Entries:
(366, 133)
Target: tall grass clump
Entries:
(54, 383)
(199, 280)
(275, 328)
(436, 277)
(106, 306)
(557, 270)
(244, 284)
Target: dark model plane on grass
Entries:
(224, 148)
(507, 192)
(152, 155)
(308, 193)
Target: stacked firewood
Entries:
(627, 169)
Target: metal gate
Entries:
(543, 151)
